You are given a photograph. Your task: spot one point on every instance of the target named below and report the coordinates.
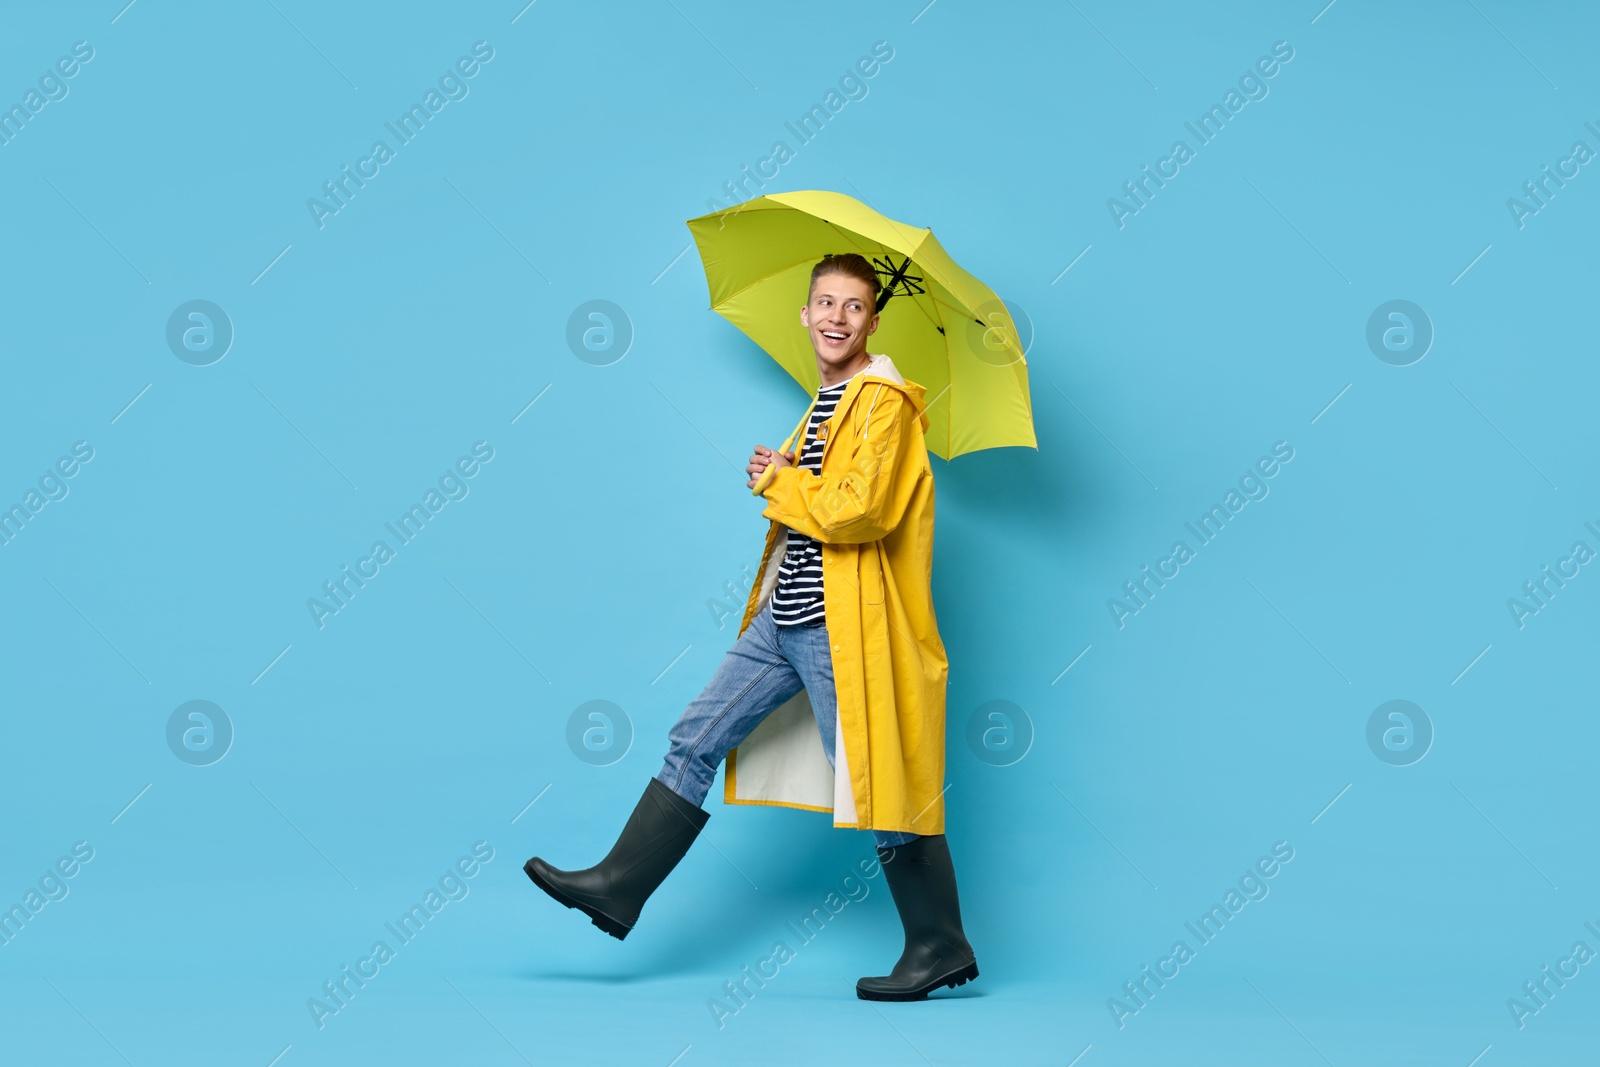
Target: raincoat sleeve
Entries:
(867, 501)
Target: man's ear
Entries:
(873, 325)
(805, 316)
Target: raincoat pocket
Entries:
(871, 576)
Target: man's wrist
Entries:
(775, 470)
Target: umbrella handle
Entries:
(766, 476)
(772, 468)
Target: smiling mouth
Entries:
(834, 337)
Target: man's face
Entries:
(839, 317)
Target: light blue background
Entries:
(1226, 716)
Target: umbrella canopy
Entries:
(944, 329)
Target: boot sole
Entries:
(599, 918)
(957, 977)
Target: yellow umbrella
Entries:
(944, 329)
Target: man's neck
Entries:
(843, 374)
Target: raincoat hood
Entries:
(871, 381)
(880, 370)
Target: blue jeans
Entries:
(766, 666)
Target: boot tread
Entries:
(959, 976)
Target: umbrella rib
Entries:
(916, 248)
(768, 277)
(850, 235)
(745, 288)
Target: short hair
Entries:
(851, 265)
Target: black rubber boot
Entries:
(923, 882)
(612, 892)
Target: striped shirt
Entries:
(798, 595)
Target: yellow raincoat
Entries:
(872, 509)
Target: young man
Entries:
(832, 698)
